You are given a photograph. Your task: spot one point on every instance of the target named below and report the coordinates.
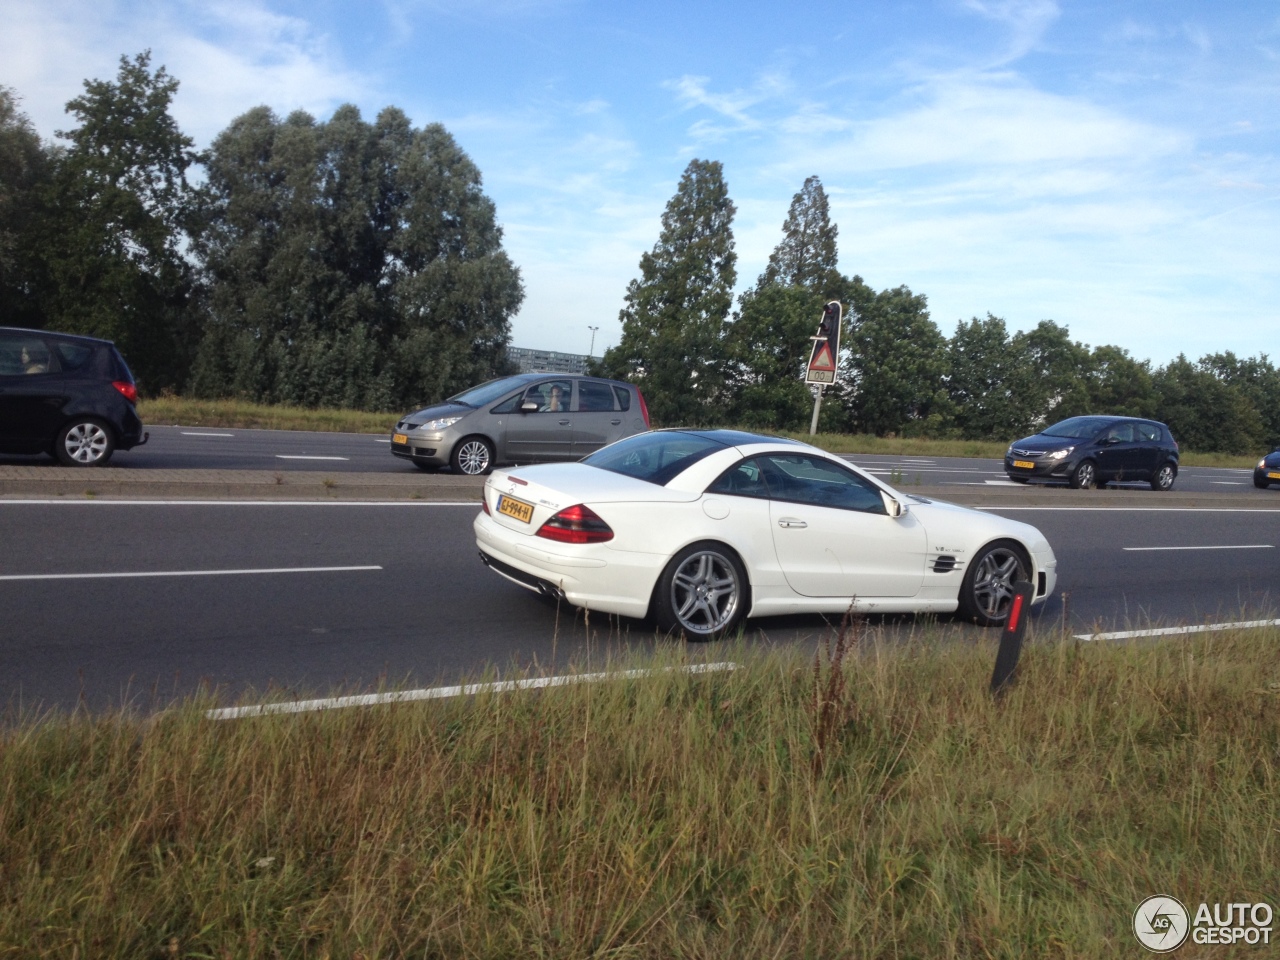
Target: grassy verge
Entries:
(235, 413)
(875, 805)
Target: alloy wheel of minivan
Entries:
(84, 443)
(473, 456)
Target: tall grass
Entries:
(875, 804)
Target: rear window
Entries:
(654, 457)
(75, 357)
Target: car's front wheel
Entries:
(1084, 476)
(703, 592)
(472, 456)
(1164, 477)
(84, 443)
(986, 592)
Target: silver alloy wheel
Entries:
(1163, 479)
(705, 592)
(473, 457)
(993, 581)
(1085, 476)
(86, 443)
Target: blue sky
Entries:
(1111, 166)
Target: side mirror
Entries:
(529, 406)
(893, 507)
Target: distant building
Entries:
(547, 361)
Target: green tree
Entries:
(116, 227)
(987, 381)
(673, 324)
(806, 256)
(354, 264)
(767, 347)
(1203, 411)
(1118, 384)
(1258, 381)
(1054, 382)
(897, 363)
(25, 169)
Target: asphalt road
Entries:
(214, 448)
(112, 600)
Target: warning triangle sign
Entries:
(822, 360)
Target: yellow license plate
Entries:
(509, 507)
(1273, 476)
(1025, 464)
(399, 438)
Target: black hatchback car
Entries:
(68, 396)
(1093, 451)
(1267, 471)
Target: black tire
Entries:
(703, 592)
(84, 442)
(1261, 484)
(986, 592)
(1084, 476)
(1163, 478)
(472, 456)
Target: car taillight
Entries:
(578, 524)
(644, 408)
(128, 389)
(484, 505)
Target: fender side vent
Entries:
(944, 564)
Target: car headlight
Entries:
(1262, 464)
(1059, 454)
(439, 424)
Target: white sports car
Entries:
(699, 528)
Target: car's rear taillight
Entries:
(644, 408)
(484, 505)
(577, 524)
(128, 389)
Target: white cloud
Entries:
(1026, 20)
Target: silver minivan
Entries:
(528, 418)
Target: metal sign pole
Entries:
(817, 405)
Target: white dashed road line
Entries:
(439, 693)
(194, 433)
(180, 573)
(1234, 546)
(1177, 631)
(289, 456)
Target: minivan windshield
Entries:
(655, 457)
(489, 391)
(1078, 428)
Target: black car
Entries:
(1267, 471)
(1095, 450)
(68, 396)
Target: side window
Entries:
(745, 479)
(1148, 432)
(74, 356)
(594, 396)
(552, 396)
(21, 355)
(508, 405)
(799, 478)
(624, 398)
(1122, 432)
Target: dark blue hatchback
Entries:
(1093, 451)
(1267, 471)
(68, 396)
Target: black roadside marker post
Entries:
(1015, 628)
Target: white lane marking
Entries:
(242, 503)
(1229, 483)
(289, 456)
(383, 440)
(1177, 631)
(180, 573)
(439, 693)
(194, 433)
(1003, 483)
(1239, 546)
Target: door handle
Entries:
(791, 523)
(564, 423)
(614, 422)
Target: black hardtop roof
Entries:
(730, 438)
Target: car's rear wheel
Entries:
(472, 456)
(84, 443)
(1084, 476)
(703, 592)
(1164, 477)
(986, 592)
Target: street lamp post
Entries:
(591, 352)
